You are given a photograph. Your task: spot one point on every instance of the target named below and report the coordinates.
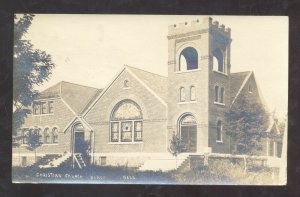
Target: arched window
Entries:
(216, 93)
(218, 62)
(192, 93)
(126, 124)
(46, 136)
(40, 134)
(181, 94)
(54, 135)
(188, 132)
(188, 59)
(222, 95)
(219, 131)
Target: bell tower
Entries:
(198, 61)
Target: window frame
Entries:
(216, 92)
(192, 92)
(221, 96)
(44, 110)
(50, 107)
(36, 108)
(219, 129)
(119, 132)
(47, 136)
(54, 133)
(182, 95)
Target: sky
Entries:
(91, 49)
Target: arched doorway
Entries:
(188, 132)
(79, 141)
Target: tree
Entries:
(176, 145)
(32, 67)
(33, 140)
(246, 123)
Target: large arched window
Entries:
(218, 62)
(46, 136)
(54, 135)
(188, 59)
(219, 131)
(126, 124)
(188, 132)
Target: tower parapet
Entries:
(197, 27)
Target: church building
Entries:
(133, 118)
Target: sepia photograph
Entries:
(150, 99)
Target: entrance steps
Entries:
(79, 160)
(56, 162)
(164, 162)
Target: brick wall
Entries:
(154, 117)
(60, 118)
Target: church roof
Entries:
(237, 80)
(155, 82)
(75, 95)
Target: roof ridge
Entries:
(144, 71)
(78, 84)
(242, 72)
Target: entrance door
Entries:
(79, 142)
(188, 133)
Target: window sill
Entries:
(124, 143)
(43, 114)
(225, 74)
(221, 142)
(49, 144)
(186, 102)
(187, 71)
(217, 103)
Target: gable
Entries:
(76, 120)
(238, 89)
(236, 84)
(152, 83)
(149, 102)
